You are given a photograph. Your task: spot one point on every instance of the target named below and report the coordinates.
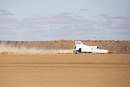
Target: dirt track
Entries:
(65, 70)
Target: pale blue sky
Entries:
(34, 20)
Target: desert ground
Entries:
(65, 70)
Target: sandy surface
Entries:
(65, 70)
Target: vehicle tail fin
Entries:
(78, 42)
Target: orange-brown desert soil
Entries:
(65, 70)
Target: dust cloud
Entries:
(23, 50)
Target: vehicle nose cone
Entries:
(109, 51)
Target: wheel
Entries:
(79, 50)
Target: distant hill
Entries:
(114, 46)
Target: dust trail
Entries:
(8, 49)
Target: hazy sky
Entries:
(36, 20)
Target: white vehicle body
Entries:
(81, 48)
